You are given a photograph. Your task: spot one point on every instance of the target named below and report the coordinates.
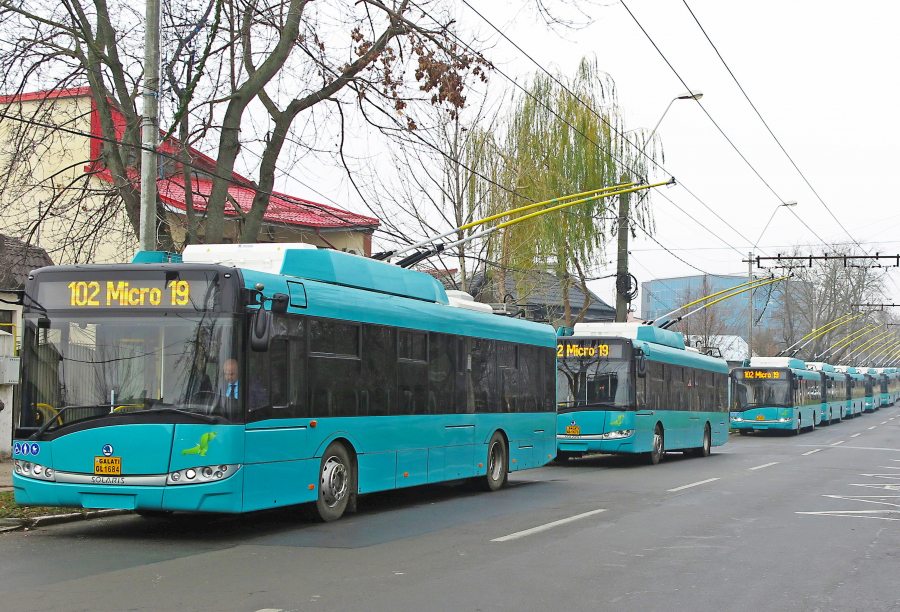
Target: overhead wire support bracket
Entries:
(809, 259)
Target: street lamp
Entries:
(688, 95)
(622, 301)
(788, 204)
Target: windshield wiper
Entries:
(203, 417)
(37, 435)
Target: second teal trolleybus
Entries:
(254, 376)
(833, 390)
(635, 389)
(856, 391)
(775, 393)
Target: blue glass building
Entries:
(662, 295)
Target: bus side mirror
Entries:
(642, 366)
(280, 303)
(260, 330)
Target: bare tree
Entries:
(243, 72)
(823, 292)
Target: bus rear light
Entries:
(312, 423)
(311, 487)
(202, 474)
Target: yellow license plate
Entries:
(760, 417)
(108, 466)
(573, 430)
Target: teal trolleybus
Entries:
(888, 379)
(636, 389)
(775, 393)
(253, 376)
(856, 391)
(833, 389)
(872, 390)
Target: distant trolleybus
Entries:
(775, 393)
(833, 389)
(632, 388)
(856, 391)
(164, 386)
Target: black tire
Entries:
(797, 431)
(743, 432)
(659, 445)
(813, 426)
(335, 482)
(154, 514)
(706, 449)
(497, 463)
(562, 456)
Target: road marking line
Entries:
(271, 610)
(539, 528)
(765, 465)
(811, 452)
(873, 426)
(693, 484)
(884, 422)
(838, 442)
(856, 434)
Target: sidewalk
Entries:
(6, 471)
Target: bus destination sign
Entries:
(129, 293)
(760, 374)
(588, 349)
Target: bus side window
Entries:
(508, 373)
(412, 370)
(484, 375)
(441, 374)
(379, 354)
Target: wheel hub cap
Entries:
(334, 481)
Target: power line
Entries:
(753, 106)
(592, 111)
(721, 131)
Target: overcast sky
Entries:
(823, 74)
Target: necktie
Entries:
(231, 391)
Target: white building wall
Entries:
(8, 344)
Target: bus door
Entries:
(275, 442)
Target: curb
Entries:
(56, 519)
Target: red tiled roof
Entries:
(282, 208)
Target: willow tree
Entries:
(566, 135)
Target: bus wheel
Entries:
(743, 432)
(656, 451)
(563, 456)
(797, 431)
(497, 465)
(706, 449)
(335, 476)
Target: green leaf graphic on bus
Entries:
(618, 421)
(201, 448)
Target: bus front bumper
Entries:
(595, 444)
(754, 425)
(219, 496)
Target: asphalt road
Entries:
(765, 523)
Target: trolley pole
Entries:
(622, 263)
(750, 306)
(150, 128)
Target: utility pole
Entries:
(622, 263)
(150, 128)
(750, 306)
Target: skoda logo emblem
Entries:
(573, 422)
(107, 450)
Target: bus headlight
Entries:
(202, 474)
(783, 420)
(737, 419)
(617, 435)
(33, 470)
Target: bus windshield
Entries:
(761, 393)
(121, 364)
(594, 382)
